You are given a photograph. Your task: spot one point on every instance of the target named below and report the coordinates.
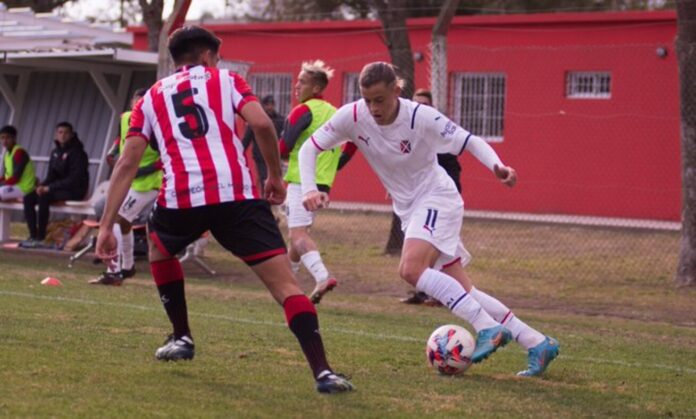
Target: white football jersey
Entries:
(404, 153)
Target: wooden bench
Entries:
(67, 207)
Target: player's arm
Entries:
(453, 139)
(124, 172)
(267, 141)
(299, 119)
(328, 136)
(480, 149)
(347, 152)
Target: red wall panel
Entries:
(616, 157)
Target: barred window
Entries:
(278, 85)
(351, 89)
(588, 85)
(479, 103)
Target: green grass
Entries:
(87, 351)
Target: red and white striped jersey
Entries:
(190, 118)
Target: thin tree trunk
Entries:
(152, 17)
(686, 54)
(392, 14)
(438, 54)
(165, 65)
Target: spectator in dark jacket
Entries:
(448, 162)
(67, 179)
(268, 104)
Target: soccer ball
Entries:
(449, 349)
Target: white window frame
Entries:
(588, 85)
(279, 85)
(351, 88)
(478, 103)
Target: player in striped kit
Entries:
(190, 118)
(400, 139)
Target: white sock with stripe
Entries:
(115, 266)
(451, 293)
(127, 258)
(312, 261)
(523, 333)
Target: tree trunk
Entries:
(152, 17)
(686, 54)
(392, 14)
(438, 54)
(165, 65)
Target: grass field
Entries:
(628, 338)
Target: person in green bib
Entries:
(141, 196)
(303, 120)
(18, 175)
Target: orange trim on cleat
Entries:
(321, 289)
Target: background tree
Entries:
(176, 19)
(393, 14)
(152, 17)
(38, 6)
(274, 10)
(686, 54)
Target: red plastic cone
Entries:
(50, 281)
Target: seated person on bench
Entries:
(67, 179)
(18, 177)
(141, 197)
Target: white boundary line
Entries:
(528, 217)
(339, 330)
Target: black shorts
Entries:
(246, 228)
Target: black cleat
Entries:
(128, 273)
(330, 383)
(176, 349)
(108, 278)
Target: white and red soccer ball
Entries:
(449, 349)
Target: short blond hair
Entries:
(319, 72)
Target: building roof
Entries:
(529, 19)
(22, 29)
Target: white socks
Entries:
(523, 334)
(115, 265)
(127, 258)
(312, 261)
(451, 293)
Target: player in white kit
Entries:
(400, 139)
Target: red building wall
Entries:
(615, 157)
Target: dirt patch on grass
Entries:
(555, 268)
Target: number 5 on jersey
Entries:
(195, 124)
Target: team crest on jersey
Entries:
(405, 146)
(449, 129)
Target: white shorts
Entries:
(135, 203)
(298, 216)
(438, 220)
(9, 192)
